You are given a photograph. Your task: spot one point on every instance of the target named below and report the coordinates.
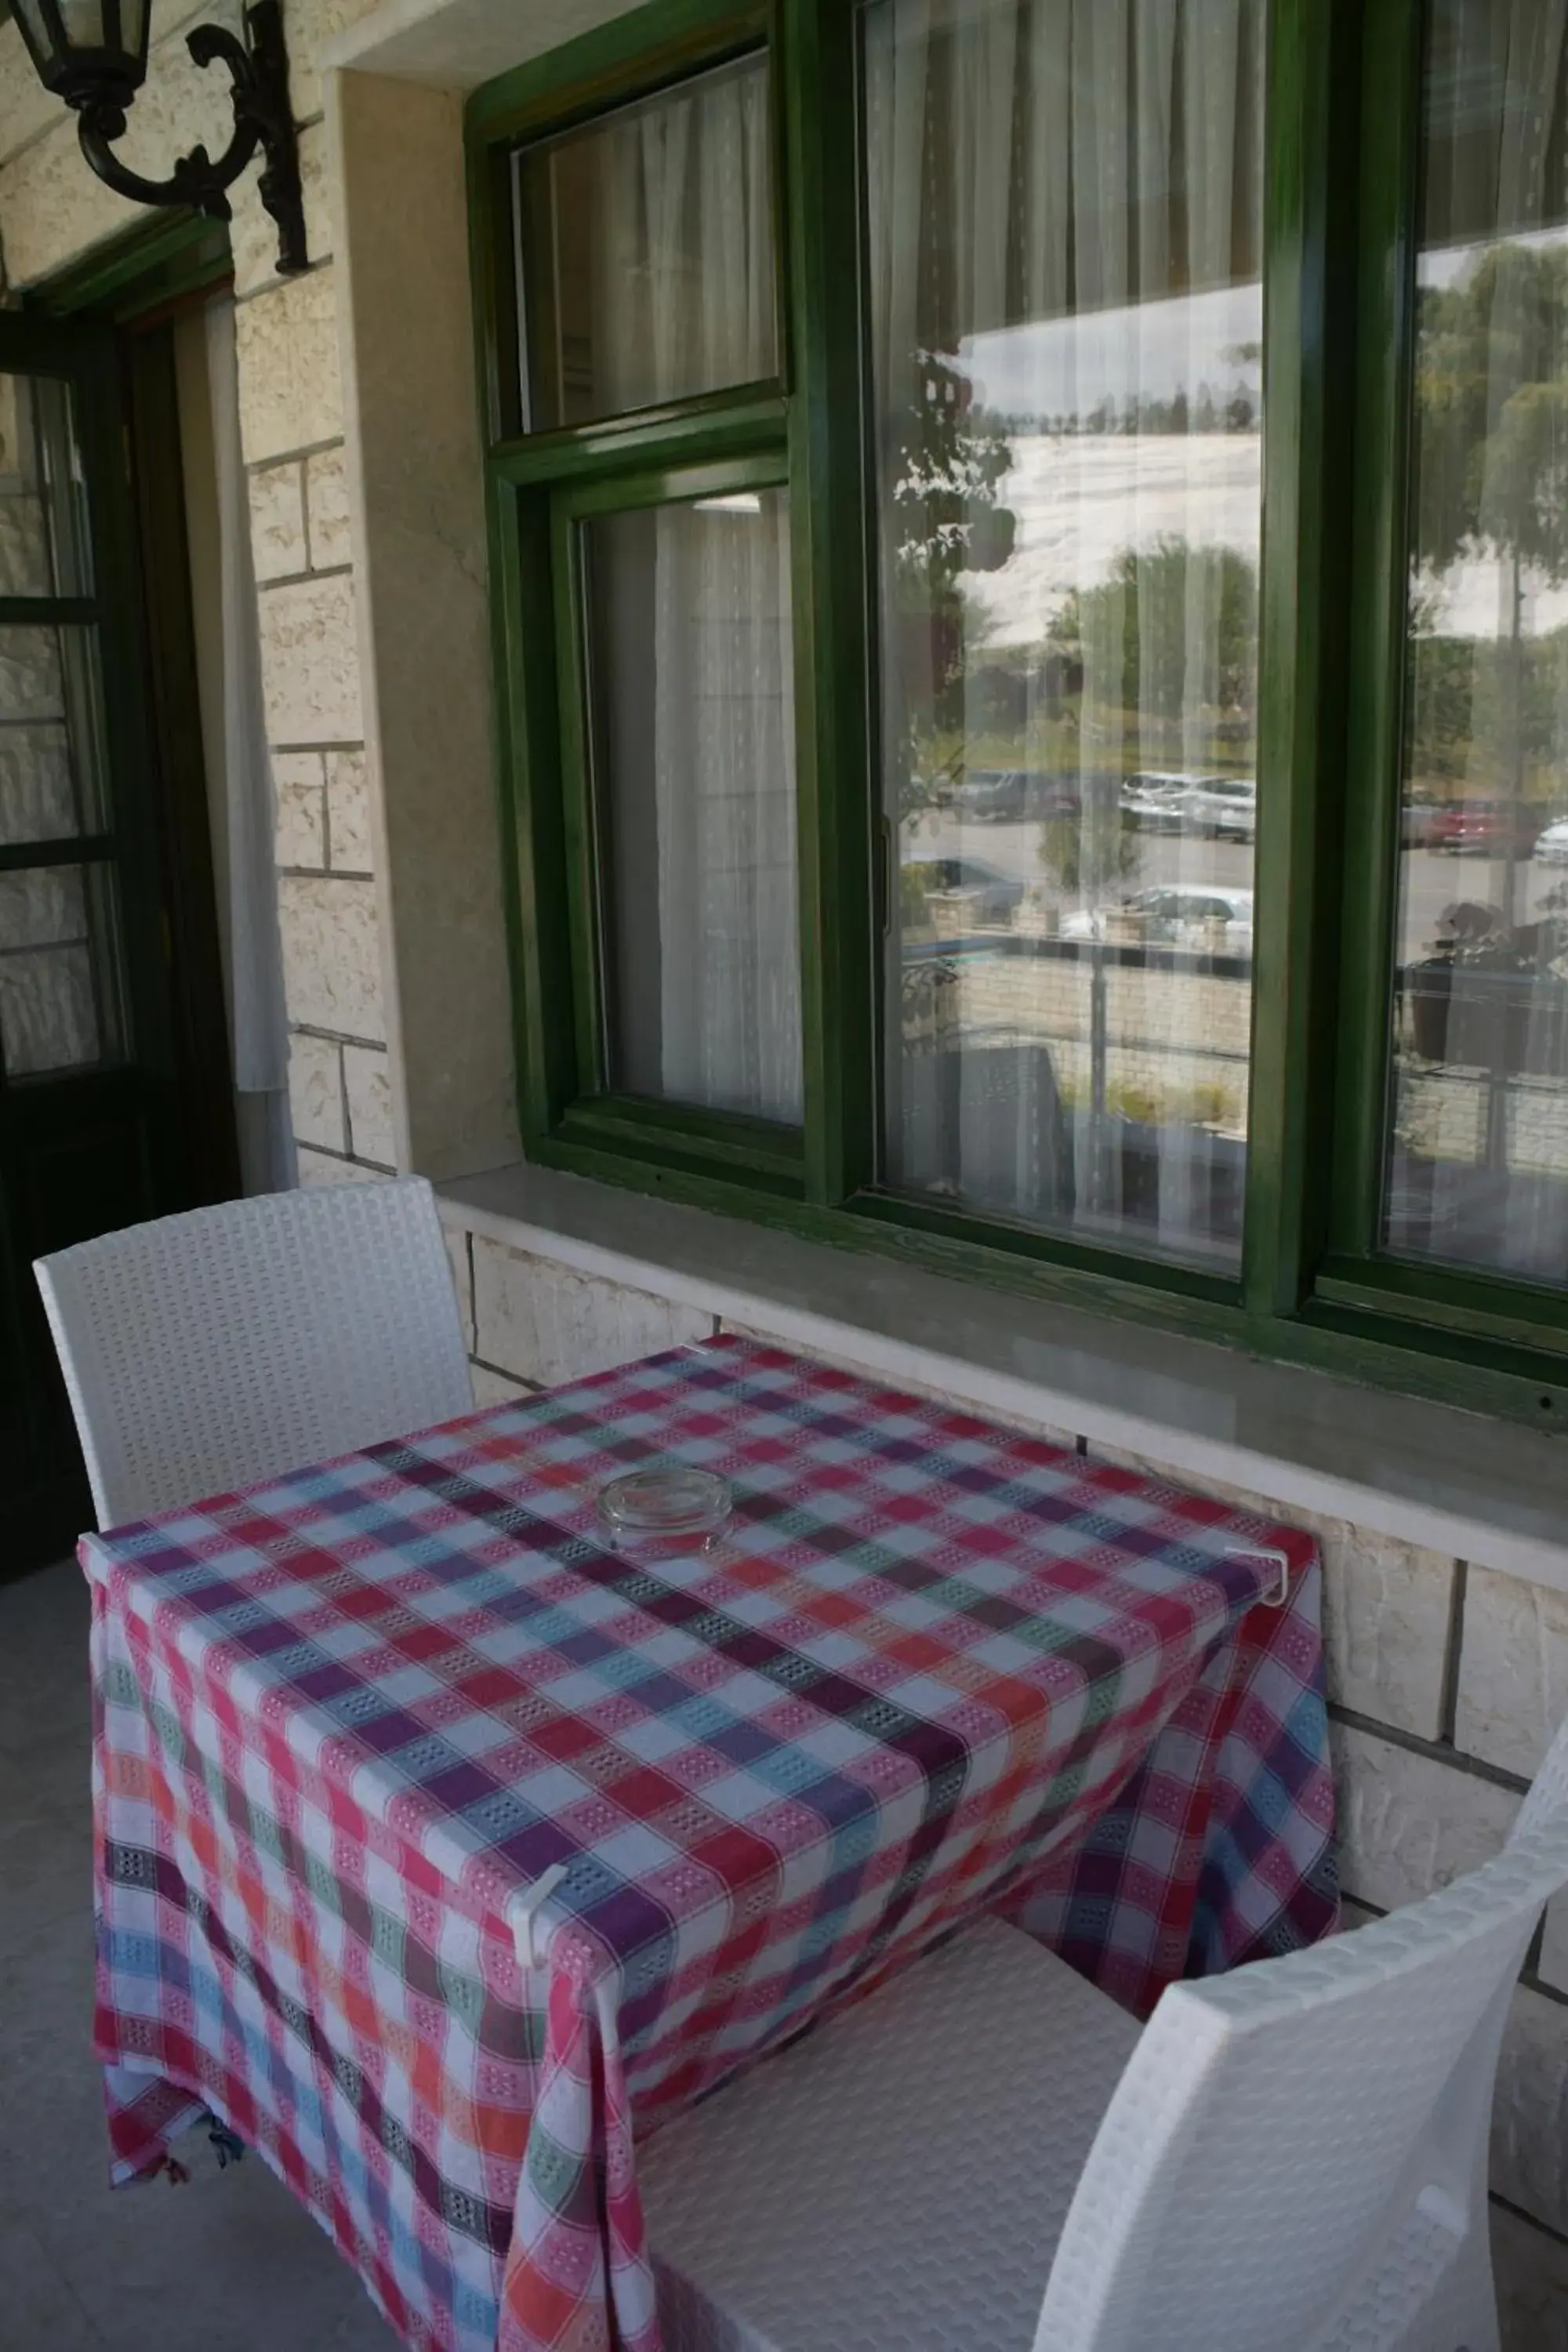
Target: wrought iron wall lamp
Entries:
(93, 53)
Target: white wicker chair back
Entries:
(1296, 2156)
(1546, 1801)
(203, 1352)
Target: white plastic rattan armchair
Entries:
(207, 1350)
(986, 2156)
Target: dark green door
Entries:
(90, 1127)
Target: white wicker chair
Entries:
(203, 1352)
(986, 2155)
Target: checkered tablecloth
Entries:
(442, 1851)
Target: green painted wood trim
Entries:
(690, 1135)
(1376, 586)
(1468, 1310)
(948, 1222)
(722, 1140)
(716, 425)
(676, 482)
(835, 656)
(1305, 249)
(585, 865)
(631, 57)
(152, 262)
(533, 820)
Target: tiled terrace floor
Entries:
(227, 2262)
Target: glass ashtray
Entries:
(666, 1505)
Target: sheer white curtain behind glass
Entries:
(689, 293)
(239, 773)
(1066, 316)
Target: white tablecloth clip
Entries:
(522, 1911)
(1281, 1561)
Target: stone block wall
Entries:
(1446, 1683)
(52, 213)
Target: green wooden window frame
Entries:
(1339, 233)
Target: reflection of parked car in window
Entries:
(992, 795)
(1004, 795)
(1152, 801)
(998, 893)
(1418, 822)
(1155, 798)
(1553, 847)
(1484, 829)
(1206, 807)
(1223, 808)
(1173, 914)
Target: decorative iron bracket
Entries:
(259, 69)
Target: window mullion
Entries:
(1377, 602)
(686, 432)
(1305, 250)
(818, 70)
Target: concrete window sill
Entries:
(1455, 1482)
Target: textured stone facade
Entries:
(52, 212)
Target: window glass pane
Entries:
(51, 744)
(58, 963)
(646, 252)
(693, 757)
(1066, 314)
(44, 548)
(1477, 1158)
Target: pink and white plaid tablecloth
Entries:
(441, 1850)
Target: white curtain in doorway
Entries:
(688, 226)
(259, 1030)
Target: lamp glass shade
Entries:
(86, 49)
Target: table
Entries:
(442, 1852)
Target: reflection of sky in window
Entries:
(1082, 500)
(1446, 265)
(1150, 351)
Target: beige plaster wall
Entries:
(414, 468)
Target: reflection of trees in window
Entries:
(1490, 484)
(1139, 621)
(949, 458)
(1491, 401)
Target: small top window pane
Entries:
(645, 248)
